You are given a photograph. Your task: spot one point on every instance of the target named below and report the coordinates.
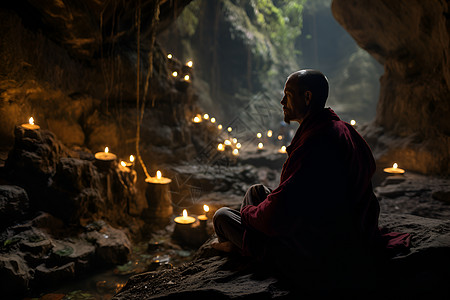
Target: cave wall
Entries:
(411, 39)
(72, 66)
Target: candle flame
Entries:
(186, 77)
(31, 121)
(280, 137)
(283, 149)
(197, 118)
(158, 174)
(238, 145)
(205, 208)
(235, 152)
(220, 147)
(206, 116)
(234, 140)
(123, 163)
(269, 133)
(169, 56)
(131, 158)
(106, 149)
(213, 120)
(259, 135)
(189, 64)
(395, 166)
(185, 214)
(353, 122)
(229, 129)
(227, 142)
(260, 145)
(175, 74)
(219, 126)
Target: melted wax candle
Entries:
(30, 125)
(105, 156)
(184, 219)
(394, 170)
(158, 179)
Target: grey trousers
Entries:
(227, 221)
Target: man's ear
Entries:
(308, 97)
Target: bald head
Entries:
(313, 81)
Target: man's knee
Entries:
(220, 215)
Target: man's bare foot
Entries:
(224, 246)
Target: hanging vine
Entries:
(140, 107)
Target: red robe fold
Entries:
(324, 205)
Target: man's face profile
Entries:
(294, 106)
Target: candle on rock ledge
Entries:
(30, 125)
(204, 218)
(158, 179)
(184, 219)
(105, 155)
(394, 170)
(159, 198)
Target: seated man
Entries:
(324, 213)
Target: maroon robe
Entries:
(324, 207)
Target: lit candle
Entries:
(353, 122)
(238, 145)
(206, 116)
(394, 170)
(105, 156)
(220, 147)
(174, 73)
(123, 164)
(219, 126)
(269, 133)
(280, 137)
(213, 120)
(186, 77)
(197, 118)
(189, 64)
(235, 152)
(259, 135)
(184, 219)
(282, 149)
(260, 145)
(131, 159)
(229, 129)
(30, 125)
(158, 179)
(234, 140)
(169, 56)
(204, 218)
(227, 142)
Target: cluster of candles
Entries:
(188, 220)
(233, 142)
(186, 77)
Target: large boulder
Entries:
(411, 40)
(421, 271)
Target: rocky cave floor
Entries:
(161, 266)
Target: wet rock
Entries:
(48, 276)
(443, 196)
(15, 275)
(112, 246)
(14, 204)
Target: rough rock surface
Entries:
(14, 204)
(411, 40)
(422, 271)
